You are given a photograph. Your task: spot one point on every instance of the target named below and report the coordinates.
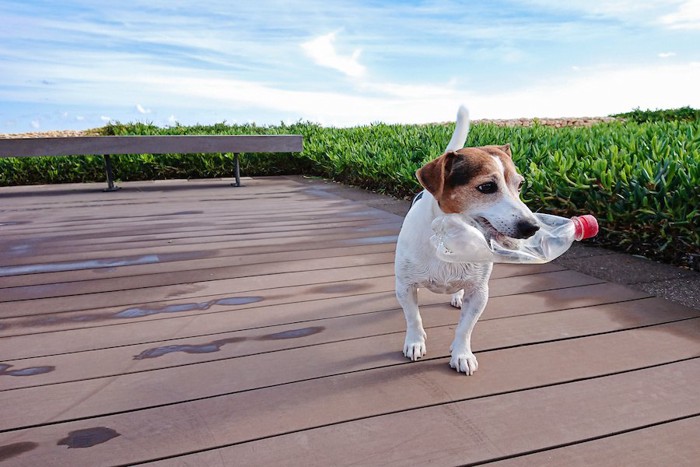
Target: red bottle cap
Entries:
(586, 226)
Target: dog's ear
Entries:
(506, 148)
(432, 174)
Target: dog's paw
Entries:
(456, 300)
(464, 362)
(414, 345)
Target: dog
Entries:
(480, 182)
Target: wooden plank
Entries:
(35, 274)
(73, 285)
(381, 275)
(227, 248)
(178, 144)
(337, 337)
(668, 443)
(193, 228)
(433, 412)
(75, 332)
(111, 393)
(188, 222)
(265, 216)
(82, 282)
(480, 430)
(233, 287)
(226, 240)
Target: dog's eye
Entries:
(521, 184)
(488, 188)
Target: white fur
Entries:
(417, 266)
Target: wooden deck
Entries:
(191, 323)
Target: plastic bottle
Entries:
(459, 239)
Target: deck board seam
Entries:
(582, 441)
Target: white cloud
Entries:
(599, 92)
(589, 91)
(36, 124)
(322, 51)
(667, 54)
(140, 109)
(686, 17)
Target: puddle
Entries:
(31, 371)
(53, 320)
(2, 224)
(19, 250)
(9, 451)
(182, 307)
(88, 437)
(134, 312)
(191, 349)
(293, 333)
(77, 265)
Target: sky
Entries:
(79, 64)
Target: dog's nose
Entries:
(527, 229)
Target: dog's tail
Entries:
(459, 137)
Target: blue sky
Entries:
(78, 64)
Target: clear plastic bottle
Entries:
(459, 239)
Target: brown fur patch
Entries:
(453, 178)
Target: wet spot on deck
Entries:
(88, 437)
(54, 320)
(139, 312)
(9, 451)
(77, 265)
(344, 287)
(293, 333)
(30, 371)
(19, 249)
(104, 270)
(14, 223)
(192, 349)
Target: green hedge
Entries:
(642, 180)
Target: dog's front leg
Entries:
(414, 344)
(463, 360)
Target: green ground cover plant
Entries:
(640, 178)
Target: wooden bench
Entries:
(108, 146)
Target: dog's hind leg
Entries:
(463, 360)
(414, 345)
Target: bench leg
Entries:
(237, 170)
(110, 175)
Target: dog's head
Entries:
(484, 184)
